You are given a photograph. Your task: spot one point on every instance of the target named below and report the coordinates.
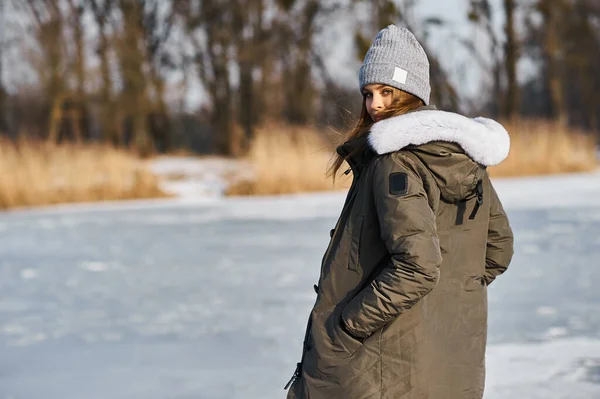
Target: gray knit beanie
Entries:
(397, 59)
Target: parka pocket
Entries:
(354, 256)
(350, 343)
(342, 345)
(341, 360)
(331, 341)
(473, 283)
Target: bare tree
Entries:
(511, 57)
(3, 93)
(563, 39)
(209, 28)
(295, 28)
(480, 13)
(251, 44)
(48, 29)
(581, 50)
(144, 32)
(102, 10)
(134, 93)
(553, 56)
(78, 103)
(157, 23)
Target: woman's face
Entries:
(377, 99)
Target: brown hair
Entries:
(402, 103)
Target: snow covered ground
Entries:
(208, 298)
(193, 177)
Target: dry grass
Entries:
(42, 174)
(287, 160)
(543, 148)
(293, 160)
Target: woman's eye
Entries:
(387, 91)
(367, 95)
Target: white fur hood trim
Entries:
(484, 140)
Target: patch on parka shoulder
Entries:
(398, 183)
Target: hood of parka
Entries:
(454, 148)
(455, 173)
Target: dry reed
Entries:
(286, 160)
(293, 160)
(542, 147)
(35, 173)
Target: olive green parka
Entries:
(401, 308)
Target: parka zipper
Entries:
(305, 348)
(352, 192)
(295, 376)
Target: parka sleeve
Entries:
(500, 239)
(408, 228)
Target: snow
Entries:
(207, 297)
(561, 369)
(568, 190)
(193, 177)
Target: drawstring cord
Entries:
(479, 200)
(462, 205)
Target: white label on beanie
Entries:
(400, 75)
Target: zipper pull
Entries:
(294, 376)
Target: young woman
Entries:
(401, 309)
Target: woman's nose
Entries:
(377, 102)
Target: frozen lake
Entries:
(210, 300)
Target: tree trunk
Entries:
(246, 103)
(49, 33)
(223, 109)
(55, 118)
(134, 98)
(299, 83)
(553, 60)
(511, 58)
(78, 105)
(110, 120)
(160, 120)
(3, 93)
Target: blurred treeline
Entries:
(104, 70)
